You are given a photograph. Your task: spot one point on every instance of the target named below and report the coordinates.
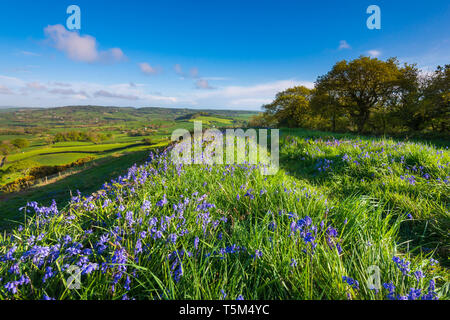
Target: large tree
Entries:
(408, 109)
(290, 107)
(360, 86)
(437, 99)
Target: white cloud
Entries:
(194, 72)
(36, 85)
(107, 94)
(69, 92)
(147, 69)
(5, 90)
(216, 78)
(80, 48)
(65, 93)
(178, 70)
(242, 97)
(202, 84)
(13, 81)
(343, 45)
(62, 84)
(30, 54)
(374, 53)
(35, 93)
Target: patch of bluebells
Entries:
(305, 229)
(402, 264)
(351, 282)
(135, 231)
(324, 165)
(414, 294)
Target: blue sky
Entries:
(200, 54)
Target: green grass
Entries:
(230, 229)
(212, 120)
(410, 178)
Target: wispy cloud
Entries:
(35, 85)
(202, 84)
(70, 92)
(51, 93)
(62, 84)
(242, 97)
(374, 53)
(178, 70)
(147, 68)
(5, 90)
(13, 81)
(193, 72)
(107, 94)
(344, 45)
(30, 54)
(80, 48)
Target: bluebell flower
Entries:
(351, 282)
(196, 241)
(402, 264)
(293, 263)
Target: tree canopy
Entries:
(366, 95)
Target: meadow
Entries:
(339, 209)
(126, 133)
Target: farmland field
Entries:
(339, 207)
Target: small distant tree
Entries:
(5, 149)
(20, 143)
(50, 140)
(148, 141)
(258, 120)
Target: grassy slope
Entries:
(228, 229)
(86, 181)
(408, 178)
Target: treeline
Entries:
(193, 116)
(366, 95)
(80, 136)
(140, 132)
(25, 130)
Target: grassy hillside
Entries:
(107, 131)
(314, 230)
(86, 180)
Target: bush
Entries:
(20, 143)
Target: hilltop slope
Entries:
(223, 231)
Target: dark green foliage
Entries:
(367, 95)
